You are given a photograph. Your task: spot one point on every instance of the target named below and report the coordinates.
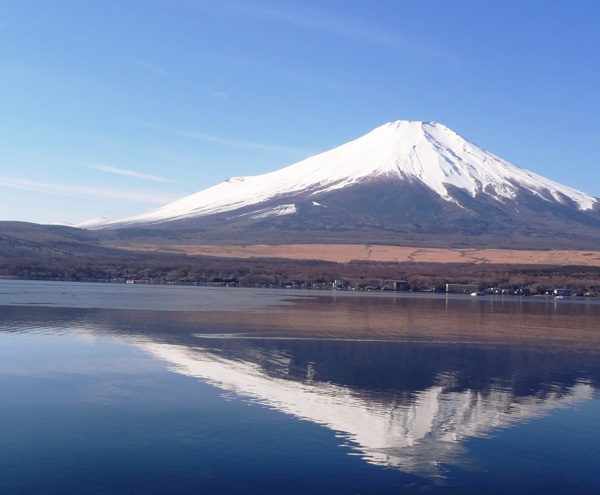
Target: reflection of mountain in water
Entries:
(409, 406)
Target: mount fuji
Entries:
(403, 181)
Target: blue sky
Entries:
(115, 108)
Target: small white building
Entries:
(564, 292)
(462, 288)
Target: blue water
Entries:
(105, 389)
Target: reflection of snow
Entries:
(415, 436)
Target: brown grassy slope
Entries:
(344, 253)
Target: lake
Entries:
(141, 389)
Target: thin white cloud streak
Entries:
(72, 190)
(219, 94)
(237, 143)
(234, 143)
(130, 173)
(318, 20)
(149, 67)
(338, 25)
(309, 18)
(296, 76)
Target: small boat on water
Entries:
(478, 293)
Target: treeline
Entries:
(277, 272)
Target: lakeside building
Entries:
(565, 292)
(462, 288)
(399, 285)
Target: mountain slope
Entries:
(403, 177)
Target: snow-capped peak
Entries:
(427, 152)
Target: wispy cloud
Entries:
(150, 67)
(309, 18)
(322, 21)
(219, 94)
(226, 141)
(130, 173)
(295, 75)
(74, 190)
(337, 24)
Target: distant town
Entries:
(385, 286)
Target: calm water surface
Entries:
(146, 389)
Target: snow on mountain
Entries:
(427, 152)
(92, 222)
(278, 211)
